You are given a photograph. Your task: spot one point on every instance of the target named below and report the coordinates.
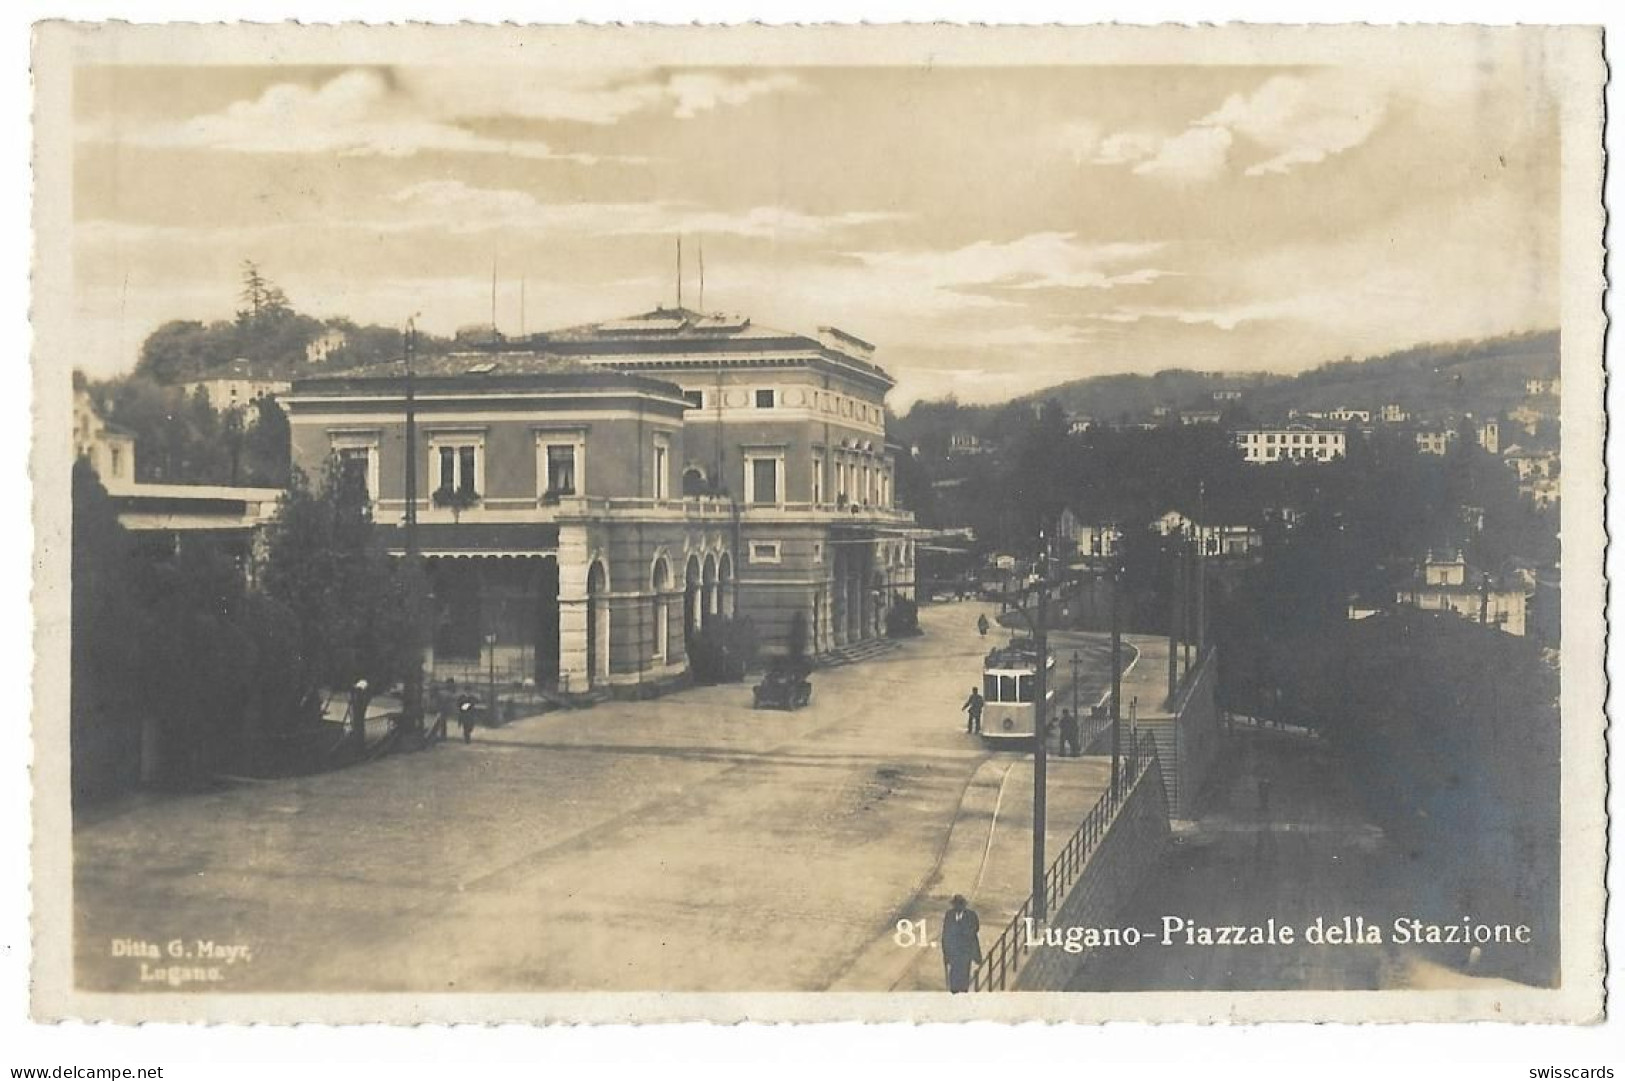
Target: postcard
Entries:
(886, 523)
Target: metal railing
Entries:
(1002, 960)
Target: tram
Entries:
(1010, 691)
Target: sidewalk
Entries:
(988, 858)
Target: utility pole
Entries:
(1187, 576)
(1040, 740)
(1201, 572)
(412, 707)
(1484, 601)
(1174, 609)
(1117, 681)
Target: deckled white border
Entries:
(946, 45)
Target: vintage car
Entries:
(783, 688)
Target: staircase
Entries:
(857, 652)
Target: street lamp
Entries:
(1077, 662)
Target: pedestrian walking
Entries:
(982, 624)
(465, 716)
(1070, 747)
(961, 944)
(444, 700)
(973, 711)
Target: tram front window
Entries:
(1026, 694)
(990, 688)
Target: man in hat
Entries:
(961, 943)
(973, 711)
(1070, 747)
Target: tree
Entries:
(185, 349)
(263, 300)
(267, 445)
(360, 614)
(108, 627)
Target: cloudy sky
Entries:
(992, 230)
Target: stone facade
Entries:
(588, 500)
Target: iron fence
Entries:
(1002, 960)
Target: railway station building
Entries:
(589, 498)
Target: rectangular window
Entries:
(818, 551)
(764, 480)
(561, 469)
(448, 469)
(764, 399)
(455, 465)
(990, 688)
(696, 398)
(662, 467)
(817, 478)
(764, 551)
(355, 463)
(1007, 689)
(1026, 692)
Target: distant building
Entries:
(1527, 418)
(1489, 436)
(1199, 416)
(1338, 416)
(1078, 423)
(329, 342)
(1214, 539)
(1435, 440)
(1227, 395)
(1531, 463)
(1087, 540)
(239, 386)
(1393, 413)
(1447, 584)
(1292, 443)
(109, 449)
(1537, 387)
(1542, 491)
(964, 444)
(1160, 411)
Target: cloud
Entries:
(1200, 152)
(585, 97)
(353, 114)
(1298, 120)
(1197, 154)
(1127, 147)
(1037, 261)
(1303, 120)
(460, 207)
(362, 112)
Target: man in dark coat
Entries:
(973, 711)
(961, 943)
(1069, 735)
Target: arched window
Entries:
(660, 583)
(694, 482)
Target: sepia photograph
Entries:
(818, 523)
